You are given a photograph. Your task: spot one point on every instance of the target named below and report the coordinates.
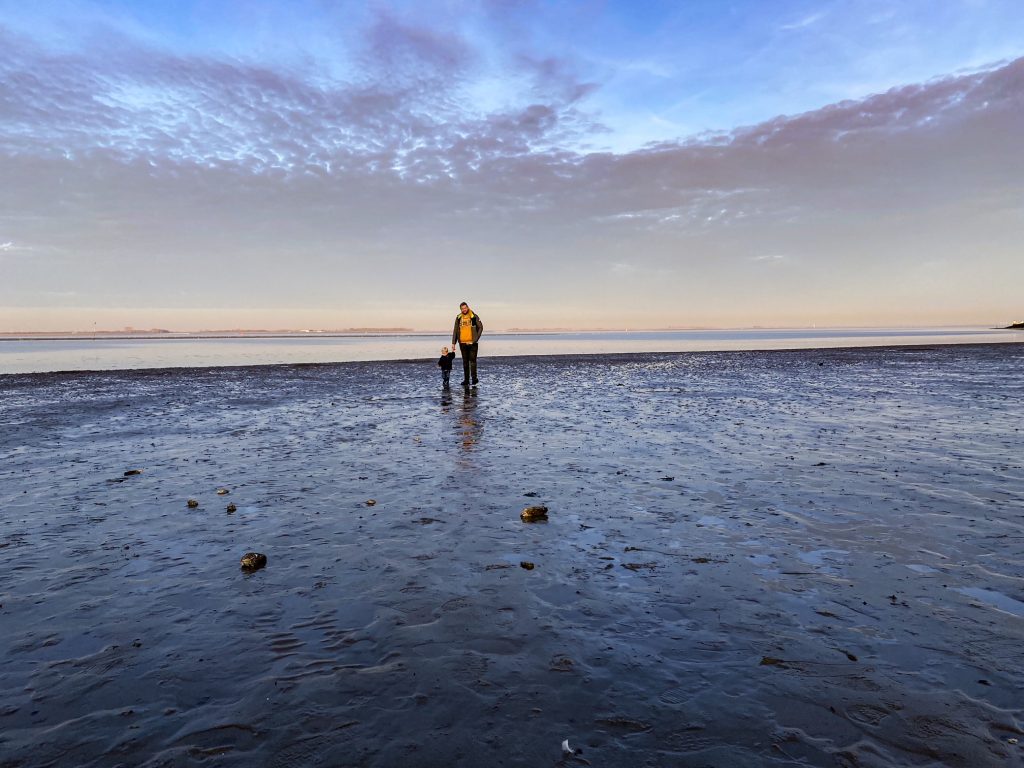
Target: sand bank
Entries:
(756, 558)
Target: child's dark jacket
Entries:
(445, 361)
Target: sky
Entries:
(191, 164)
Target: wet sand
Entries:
(753, 558)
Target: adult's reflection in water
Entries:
(469, 427)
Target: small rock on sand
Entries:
(253, 561)
(231, 508)
(371, 502)
(533, 514)
(527, 565)
(192, 503)
(223, 491)
(131, 472)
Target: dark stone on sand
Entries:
(131, 472)
(371, 502)
(624, 723)
(223, 491)
(192, 503)
(231, 508)
(771, 661)
(531, 494)
(534, 514)
(821, 464)
(253, 561)
(527, 565)
(668, 478)
(561, 663)
(638, 566)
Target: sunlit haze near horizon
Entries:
(314, 164)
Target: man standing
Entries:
(468, 328)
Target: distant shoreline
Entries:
(185, 336)
(162, 335)
(256, 335)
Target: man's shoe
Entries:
(465, 383)
(475, 382)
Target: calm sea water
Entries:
(40, 355)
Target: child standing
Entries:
(446, 365)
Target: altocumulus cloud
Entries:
(160, 178)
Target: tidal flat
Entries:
(781, 558)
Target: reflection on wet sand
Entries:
(469, 426)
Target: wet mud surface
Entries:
(780, 558)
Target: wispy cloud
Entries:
(804, 22)
(14, 248)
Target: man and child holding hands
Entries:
(467, 331)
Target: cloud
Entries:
(406, 113)
(14, 248)
(165, 177)
(809, 20)
(917, 144)
(404, 53)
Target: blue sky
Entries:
(718, 162)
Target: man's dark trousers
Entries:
(468, 362)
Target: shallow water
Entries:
(757, 558)
(110, 353)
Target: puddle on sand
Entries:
(818, 556)
(997, 600)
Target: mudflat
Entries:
(752, 558)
